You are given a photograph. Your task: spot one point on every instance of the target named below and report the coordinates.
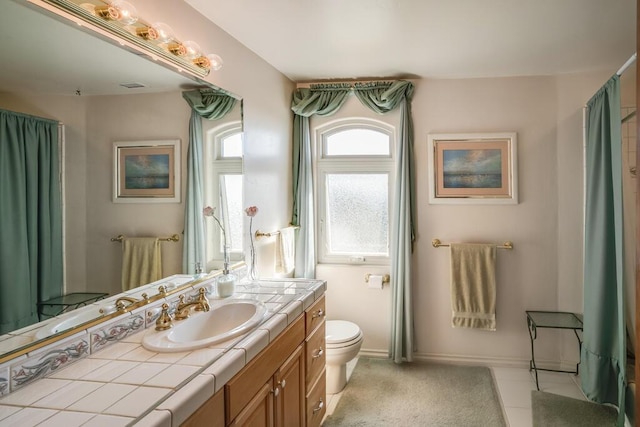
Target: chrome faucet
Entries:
(200, 304)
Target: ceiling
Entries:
(347, 39)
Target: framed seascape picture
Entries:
(476, 168)
(146, 172)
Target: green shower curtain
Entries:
(603, 357)
(31, 265)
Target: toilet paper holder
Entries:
(385, 279)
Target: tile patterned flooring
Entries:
(514, 386)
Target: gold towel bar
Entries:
(273, 233)
(437, 243)
(174, 238)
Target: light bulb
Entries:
(193, 49)
(128, 13)
(177, 49)
(215, 60)
(209, 62)
(147, 33)
(165, 32)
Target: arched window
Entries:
(354, 160)
(224, 191)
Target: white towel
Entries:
(473, 286)
(141, 261)
(285, 252)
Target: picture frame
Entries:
(146, 171)
(473, 168)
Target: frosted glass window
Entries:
(231, 197)
(357, 217)
(357, 142)
(231, 146)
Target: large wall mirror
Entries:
(104, 93)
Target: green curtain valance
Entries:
(210, 104)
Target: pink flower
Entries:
(251, 211)
(209, 211)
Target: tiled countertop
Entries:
(122, 383)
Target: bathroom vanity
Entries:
(273, 374)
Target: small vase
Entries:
(226, 285)
(252, 270)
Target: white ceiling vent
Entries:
(132, 85)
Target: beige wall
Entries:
(544, 271)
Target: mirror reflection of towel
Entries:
(141, 261)
(285, 252)
(473, 286)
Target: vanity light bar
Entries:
(119, 18)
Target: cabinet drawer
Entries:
(316, 404)
(315, 354)
(315, 315)
(241, 388)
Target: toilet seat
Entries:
(342, 333)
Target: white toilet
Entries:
(343, 341)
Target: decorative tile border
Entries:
(45, 361)
(4, 381)
(122, 327)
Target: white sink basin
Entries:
(228, 320)
(68, 321)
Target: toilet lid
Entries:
(339, 331)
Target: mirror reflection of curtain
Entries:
(603, 358)
(210, 104)
(31, 263)
(380, 97)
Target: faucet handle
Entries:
(164, 321)
(203, 302)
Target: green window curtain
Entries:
(209, 104)
(380, 97)
(31, 263)
(603, 357)
(322, 100)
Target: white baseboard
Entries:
(378, 354)
(508, 362)
(491, 361)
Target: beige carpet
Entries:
(381, 393)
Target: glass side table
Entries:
(552, 320)
(64, 303)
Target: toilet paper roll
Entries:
(375, 281)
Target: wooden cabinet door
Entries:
(259, 411)
(211, 413)
(289, 386)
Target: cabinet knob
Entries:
(318, 353)
(319, 313)
(283, 383)
(276, 392)
(319, 407)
